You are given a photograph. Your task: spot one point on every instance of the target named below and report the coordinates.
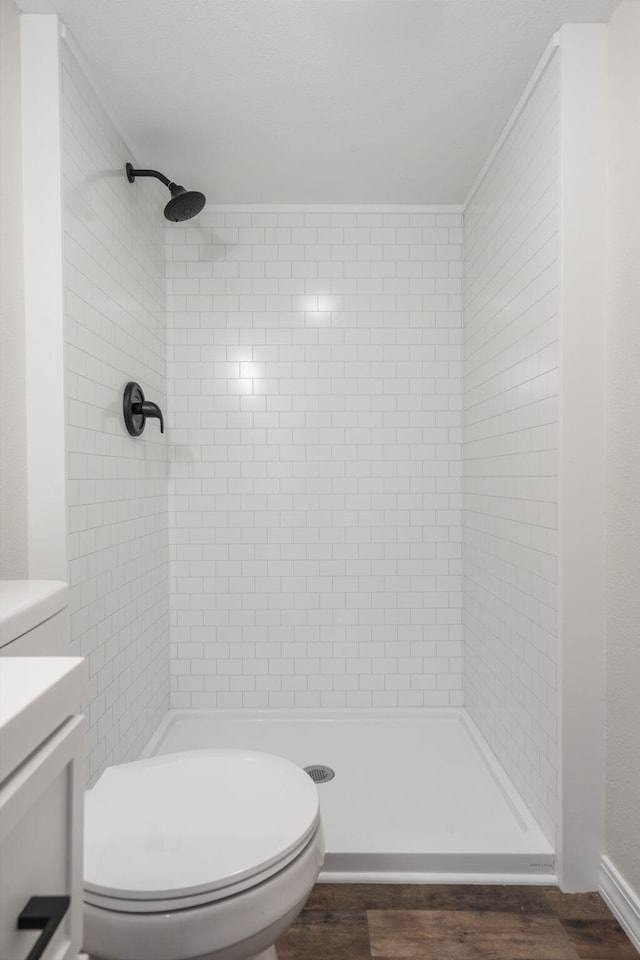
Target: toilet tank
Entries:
(33, 618)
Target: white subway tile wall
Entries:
(510, 452)
(314, 363)
(117, 486)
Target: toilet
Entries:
(199, 855)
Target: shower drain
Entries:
(320, 774)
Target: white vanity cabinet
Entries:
(41, 803)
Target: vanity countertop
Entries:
(37, 694)
(26, 603)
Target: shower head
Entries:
(183, 205)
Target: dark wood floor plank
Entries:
(467, 935)
(577, 906)
(450, 896)
(453, 922)
(601, 938)
(326, 935)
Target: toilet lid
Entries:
(194, 822)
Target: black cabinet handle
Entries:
(43, 913)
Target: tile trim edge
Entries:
(542, 65)
(337, 208)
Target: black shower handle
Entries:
(136, 409)
(148, 409)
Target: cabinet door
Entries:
(41, 822)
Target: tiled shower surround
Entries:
(117, 486)
(511, 452)
(313, 459)
(314, 416)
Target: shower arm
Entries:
(184, 204)
(132, 174)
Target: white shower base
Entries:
(417, 795)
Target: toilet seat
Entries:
(190, 828)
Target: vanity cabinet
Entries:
(41, 804)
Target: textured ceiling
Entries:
(317, 101)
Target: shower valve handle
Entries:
(148, 409)
(136, 409)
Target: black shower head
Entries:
(183, 205)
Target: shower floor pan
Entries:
(417, 795)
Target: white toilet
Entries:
(201, 855)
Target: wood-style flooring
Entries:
(453, 922)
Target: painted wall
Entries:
(13, 456)
(314, 380)
(623, 448)
(117, 485)
(510, 451)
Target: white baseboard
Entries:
(623, 902)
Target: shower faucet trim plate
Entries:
(136, 409)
